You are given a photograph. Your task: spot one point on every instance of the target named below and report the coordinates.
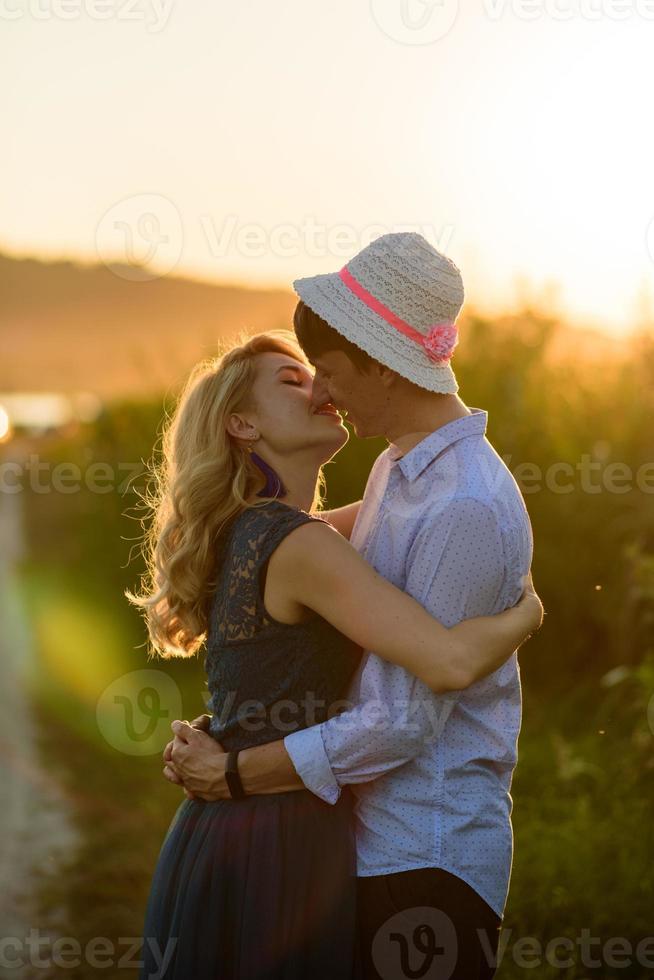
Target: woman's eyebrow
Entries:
(289, 367)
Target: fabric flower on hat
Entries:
(440, 342)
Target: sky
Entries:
(256, 142)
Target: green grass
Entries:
(584, 848)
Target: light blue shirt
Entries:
(432, 773)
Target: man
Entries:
(443, 519)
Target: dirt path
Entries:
(35, 824)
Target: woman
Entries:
(263, 887)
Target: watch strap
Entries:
(232, 778)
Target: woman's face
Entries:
(283, 414)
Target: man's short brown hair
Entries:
(316, 337)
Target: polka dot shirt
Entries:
(432, 773)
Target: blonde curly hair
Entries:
(202, 480)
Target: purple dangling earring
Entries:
(274, 486)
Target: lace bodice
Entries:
(268, 678)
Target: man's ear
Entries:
(386, 376)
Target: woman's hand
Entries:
(532, 606)
(202, 722)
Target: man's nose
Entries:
(319, 393)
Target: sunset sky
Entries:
(258, 141)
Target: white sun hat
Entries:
(398, 300)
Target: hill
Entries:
(66, 326)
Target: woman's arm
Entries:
(475, 634)
(318, 569)
(342, 518)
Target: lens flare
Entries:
(5, 424)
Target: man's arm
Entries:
(196, 761)
(397, 713)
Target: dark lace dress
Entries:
(261, 888)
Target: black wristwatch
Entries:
(232, 778)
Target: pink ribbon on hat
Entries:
(438, 343)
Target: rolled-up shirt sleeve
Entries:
(456, 569)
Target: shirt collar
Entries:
(425, 452)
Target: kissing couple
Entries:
(373, 839)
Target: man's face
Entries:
(361, 396)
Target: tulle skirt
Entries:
(257, 889)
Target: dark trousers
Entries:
(425, 924)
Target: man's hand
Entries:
(196, 761)
(170, 772)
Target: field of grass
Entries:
(582, 792)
